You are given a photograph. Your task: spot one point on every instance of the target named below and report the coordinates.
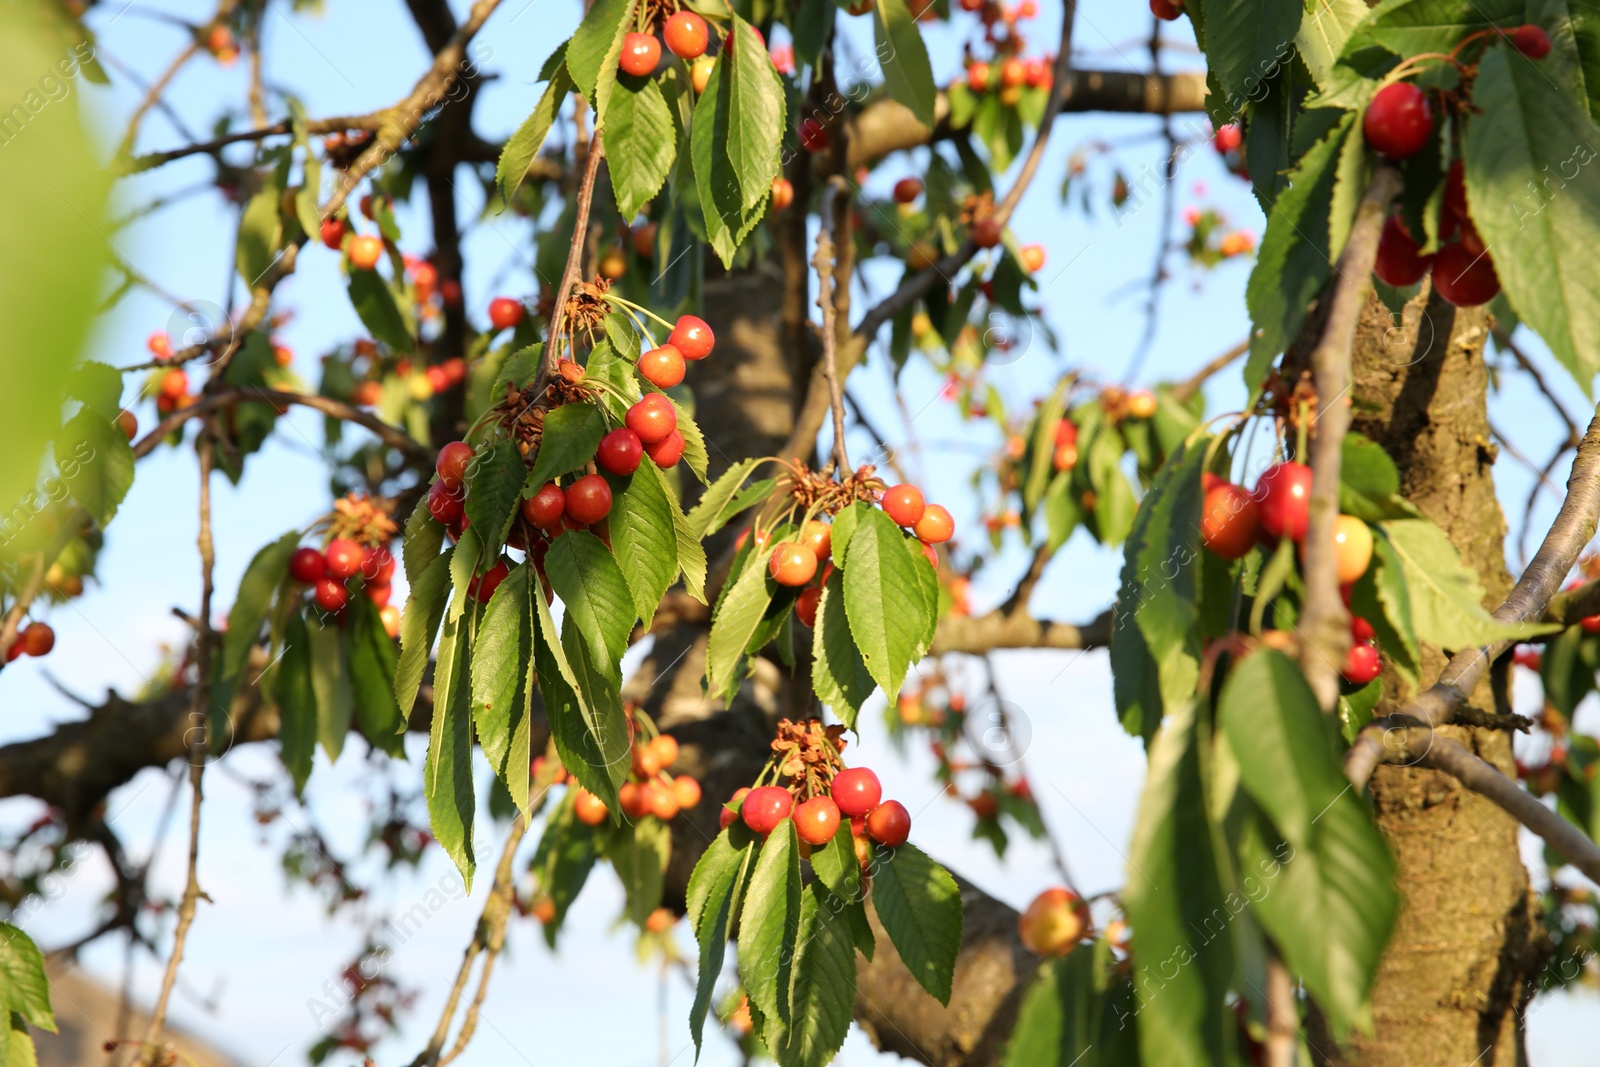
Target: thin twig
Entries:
(153, 94)
(1190, 386)
(1324, 625)
(1528, 601)
(487, 937)
(150, 1053)
(150, 160)
(569, 274)
(823, 261)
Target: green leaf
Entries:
(712, 514)
(690, 552)
(769, 923)
(260, 233)
(1409, 27)
(500, 712)
(267, 571)
(904, 59)
(96, 462)
(593, 50)
(1344, 903)
(494, 487)
(824, 991)
(1296, 255)
(99, 387)
(640, 858)
(584, 712)
(919, 905)
(372, 667)
(1446, 599)
(1063, 512)
(1246, 41)
(421, 543)
(882, 599)
(519, 370)
(836, 864)
(1323, 33)
(644, 539)
(562, 862)
(375, 304)
(838, 673)
(844, 528)
(1541, 235)
(585, 575)
(1043, 447)
(739, 612)
(1056, 1024)
(23, 986)
(641, 143)
(419, 625)
(1574, 58)
(1174, 889)
(571, 434)
(447, 773)
(1369, 483)
(523, 147)
(712, 903)
(735, 140)
(1380, 596)
(297, 703)
(330, 680)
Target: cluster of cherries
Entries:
(650, 429)
(330, 571)
(1398, 124)
(1234, 520)
(1008, 73)
(34, 639)
(649, 790)
(687, 37)
(855, 794)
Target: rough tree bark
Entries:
(1454, 978)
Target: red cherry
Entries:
(333, 231)
(377, 564)
(483, 586)
(929, 554)
(588, 499)
(1283, 495)
(986, 233)
(344, 558)
(792, 564)
(640, 54)
(936, 526)
(686, 35)
(856, 790)
(379, 593)
(620, 451)
(1531, 41)
(1590, 624)
(307, 565)
(817, 820)
(1464, 279)
(978, 77)
(662, 367)
(454, 459)
(331, 595)
(904, 504)
(818, 537)
(37, 639)
(589, 809)
(782, 193)
(1229, 522)
(1398, 121)
(692, 337)
(1361, 664)
(1227, 138)
(666, 452)
(805, 608)
(1361, 629)
(727, 815)
(1399, 261)
(444, 505)
(813, 135)
(1166, 10)
(765, 807)
(545, 508)
(652, 418)
(889, 824)
(1013, 73)
(504, 312)
(907, 189)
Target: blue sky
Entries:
(261, 957)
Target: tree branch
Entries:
(824, 264)
(1190, 386)
(1528, 600)
(1324, 625)
(1017, 629)
(569, 274)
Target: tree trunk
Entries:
(1453, 980)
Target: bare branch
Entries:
(1190, 386)
(1324, 625)
(569, 275)
(984, 633)
(1534, 592)
(824, 264)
